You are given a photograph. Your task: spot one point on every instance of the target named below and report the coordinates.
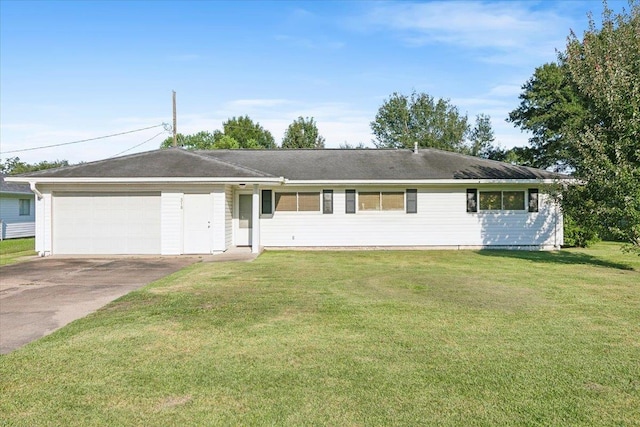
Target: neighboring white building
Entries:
(17, 210)
(175, 201)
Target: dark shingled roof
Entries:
(13, 187)
(329, 164)
(167, 163)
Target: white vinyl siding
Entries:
(111, 223)
(228, 217)
(14, 222)
(441, 220)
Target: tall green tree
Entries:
(605, 66)
(14, 166)
(481, 137)
(302, 133)
(404, 120)
(550, 106)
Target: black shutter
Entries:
(412, 200)
(327, 201)
(472, 200)
(350, 205)
(533, 200)
(266, 202)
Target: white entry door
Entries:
(243, 232)
(197, 218)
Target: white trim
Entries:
(195, 180)
(282, 180)
(405, 182)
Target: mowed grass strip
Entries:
(14, 250)
(350, 338)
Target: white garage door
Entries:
(108, 223)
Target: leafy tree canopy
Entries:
(14, 166)
(605, 67)
(404, 120)
(247, 133)
(302, 133)
(550, 105)
(238, 132)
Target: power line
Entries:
(84, 140)
(138, 145)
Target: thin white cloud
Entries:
(506, 29)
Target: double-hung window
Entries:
(298, 202)
(501, 201)
(381, 201)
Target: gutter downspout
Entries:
(32, 186)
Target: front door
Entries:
(197, 210)
(243, 233)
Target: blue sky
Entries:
(77, 70)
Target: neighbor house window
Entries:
(267, 208)
(298, 202)
(327, 201)
(25, 207)
(381, 201)
(502, 200)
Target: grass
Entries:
(350, 338)
(15, 250)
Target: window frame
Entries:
(278, 195)
(502, 208)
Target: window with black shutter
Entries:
(472, 200)
(327, 201)
(350, 203)
(412, 201)
(267, 208)
(533, 200)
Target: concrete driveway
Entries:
(39, 296)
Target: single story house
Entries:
(175, 201)
(17, 210)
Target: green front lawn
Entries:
(14, 250)
(350, 338)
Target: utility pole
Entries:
(175, 121)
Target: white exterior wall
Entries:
(13, 224)
(218, 225)
(171, 223)
(228, 216)
(441, 221)
(43, 223)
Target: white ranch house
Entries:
(174, 201)
(17, 210)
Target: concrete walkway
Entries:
(42, 295)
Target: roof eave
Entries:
(153, 180)
(428, 181)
